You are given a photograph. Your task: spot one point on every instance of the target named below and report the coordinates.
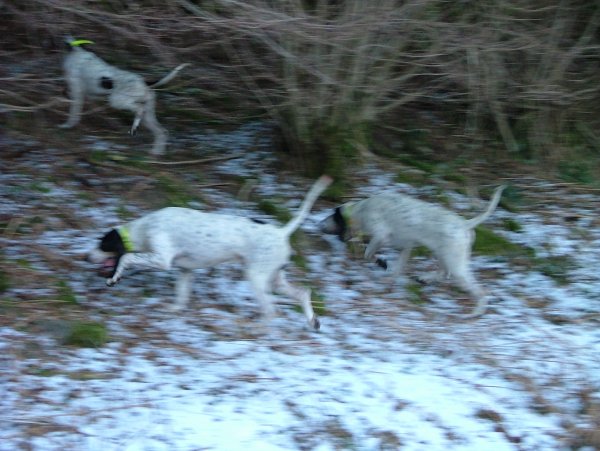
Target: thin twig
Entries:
(190, 162)
(36, 107)
(213, 185)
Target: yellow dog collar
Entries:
(78, 42)
(126, 238)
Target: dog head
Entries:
(108, 253)
(336, 224)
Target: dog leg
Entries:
(398, 267)
(301, 295)
(151, 123)
(136, 122)
(373, 246)
(261, 283)
(183, 289)
(433, 276)
(139, 260)
(455, 261)
(76, 93)
(160, 134)
(468, 283)
(462, 275)
(395, 271)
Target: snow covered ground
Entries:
(384, 372)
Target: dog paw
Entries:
(315, 323)
(111, 282)
(157, 152)
(478, 311)
(66, 125)
(422, 280)
(382, 263)
(429, 278)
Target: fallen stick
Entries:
(189, 162)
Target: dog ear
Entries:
(340, 222)
(106, 83)
(67, 40)
(112, 242)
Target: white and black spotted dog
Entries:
(88, 75)
(402, 222)
(189, 239)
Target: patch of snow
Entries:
(383, 373)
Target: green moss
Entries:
(98, 156)
(175, 192)
(418, 163)
(40, 187)
(4, 281)
(411, 178)
(454, 177)
(148, 292)
(556, 267)
(415, 139)
(420, 251)
(43, 372)
(23, 263)
(489, 243)
(87, 335)
(336, 190)
(124, 213)
(512, 198)
(443, 199)
(271, 208)
(87, 375)
(512, 226)
(577, 170)
(65, 292)
(318, 304)
(415, 293)
(300, 261)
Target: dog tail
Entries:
(319, 186)
(167, 78)
(472, 223)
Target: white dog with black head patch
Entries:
(88, 75)
(401, 222)
(189, 239)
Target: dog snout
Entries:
(89, 258)
(95, 256)
(328, 226)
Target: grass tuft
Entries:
(87, 335)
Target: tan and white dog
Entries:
(88, 75)
(402, 222)
(188, 239)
